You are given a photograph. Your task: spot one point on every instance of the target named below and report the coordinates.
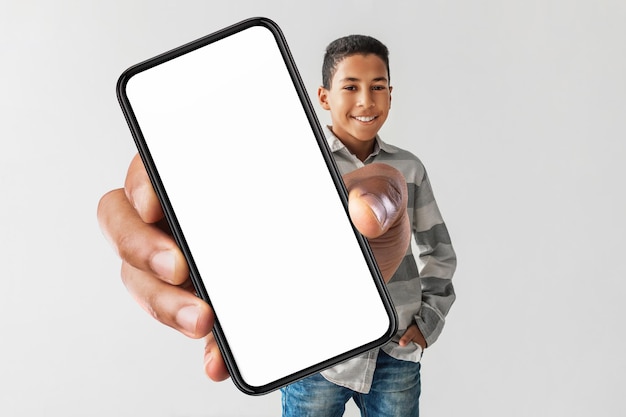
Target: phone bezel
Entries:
(175, 227)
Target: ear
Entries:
(390, 88)
(322, 96)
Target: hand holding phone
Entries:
(236, 155)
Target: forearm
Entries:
(432, 314)
(438, 263)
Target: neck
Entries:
(361, 152)
(360, 149)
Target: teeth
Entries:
(365, 118)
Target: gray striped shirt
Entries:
(421, 291)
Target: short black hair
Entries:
(349, 45)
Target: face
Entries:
(359, 99)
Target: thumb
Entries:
(377, 198)
(377, 202)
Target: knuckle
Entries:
(151, 306)
(126, 246)
(146, 296)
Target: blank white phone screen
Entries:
(257, 206)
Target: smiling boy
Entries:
(359, 99)
(356, 91)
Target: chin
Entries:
(366, 135)
(364, 138)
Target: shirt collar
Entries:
(336, 145)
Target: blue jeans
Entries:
(395, 392)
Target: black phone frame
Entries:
(153, 174)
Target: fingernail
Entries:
(163, 263)
(187, 318)
(377, 206)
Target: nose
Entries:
(365, 99)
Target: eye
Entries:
(350, 87)
(379, 87)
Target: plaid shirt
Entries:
(422, 291)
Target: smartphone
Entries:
(253, 197)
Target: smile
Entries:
(365, 118)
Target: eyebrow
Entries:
(353, 79)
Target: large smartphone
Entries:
(255, 201)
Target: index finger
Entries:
(144, 246)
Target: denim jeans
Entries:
(395, 393)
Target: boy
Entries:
(384, 382)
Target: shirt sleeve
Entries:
(436, 262)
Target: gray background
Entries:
(516, 108)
